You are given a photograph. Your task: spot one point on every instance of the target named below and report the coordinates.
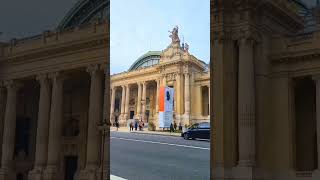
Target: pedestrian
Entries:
(140, 125)
(131, 126)
(175, 126)
(136, 125)
(171, 128)
(117, 124)
(180, 127)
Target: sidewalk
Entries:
(145, 131)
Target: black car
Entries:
(198, 130)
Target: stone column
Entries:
(9, 131)
(209, 99)
(42, 128)
(95, 117)
(123, 101)
(113, 96)
(52, 171)
(157, 96)
(138, 113)
(105, 145)
(316, 174)
(179, 98)
(246, 104)
(164, 81)
(126, 112)
(186, 98)
(2, 112)
(143, 101)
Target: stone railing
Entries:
(55, 37)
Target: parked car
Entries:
(197, 131)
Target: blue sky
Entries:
(138, 26)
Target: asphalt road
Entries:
(154, 157)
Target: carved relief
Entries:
(171, 77)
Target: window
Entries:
(204, 125)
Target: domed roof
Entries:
(150, 58)
(86, 11)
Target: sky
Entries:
(27, 18)
(139, 26)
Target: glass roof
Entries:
(86, 11)
(149, 59)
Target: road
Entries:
(154, 157)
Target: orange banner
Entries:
(161, 99)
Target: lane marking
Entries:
(113, 177)
(153, 142)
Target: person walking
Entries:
(140, 126)
(136, 125)
(117, 124)
(175, 126)
(171, 128)
(131, 126)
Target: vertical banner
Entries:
(166, 95)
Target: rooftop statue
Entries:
(186, 47)
(174, 35)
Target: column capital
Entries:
(104, 67)
(247, 35)
(56, 76)
(186, 74)
(42, 78)
(94, 68)
(144, 83)
(12, 85)
(316, 77)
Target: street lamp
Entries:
(103, 127)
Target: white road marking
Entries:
(113, 177)
(179, 145)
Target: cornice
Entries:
(133, 74)
(293, 57)
(57, 50)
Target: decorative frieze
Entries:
(171, 77)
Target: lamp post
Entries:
(103, 127)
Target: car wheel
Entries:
(186, 136)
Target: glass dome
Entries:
(149, 59)
(86, 11)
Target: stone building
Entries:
(135, 93)
(266, 92)
(52, 97)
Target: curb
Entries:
(177, 135)
(141, 132)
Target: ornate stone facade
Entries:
(265, 61)
(174, 67)
(52, 99)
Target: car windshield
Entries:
(204, 125)
(194, 126)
